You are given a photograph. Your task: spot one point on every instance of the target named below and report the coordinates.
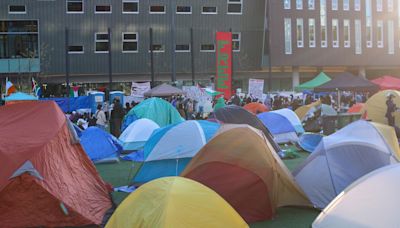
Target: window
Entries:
(183, 10)
(130, 6)
(182, 48)
(75, 49)
(357, 33)
(288, 36)
(379, 33)
(368, 15)
(158, 48)
(130, 42)
(311, 4)
(236, 41)
(207, 48)
(390, 37)
(357, 5)
(335, 33)
(235, 6)
(299, 4)
(16, 9)
(346, 33)
(390, 5)
(74, 6)
(157, 9)
(299, 32)
(379, 4)
(102, 9)
(323, 21)
(209, 10)
(286, 4)
(335, 5)
(311, 32)
(346, 5)
(101, 40)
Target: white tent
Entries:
(137, 133)
(371, 201)
(342, 158)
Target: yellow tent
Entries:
(390, 137)
(174, 202)
(376, 107)
(302, 111)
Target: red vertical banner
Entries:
(223, 82)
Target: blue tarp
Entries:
(75, 103)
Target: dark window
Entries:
(17, 9)
(75, 49)
(129, 42)
(101, 42)
(209, 9)
(158, 47)
(18, 26)
(207, 47)
(182, 48)
(103, 8)
(157, 9)
(74, 6)
(236, 41)
(130, 7)
(183, 9)
(234, 8)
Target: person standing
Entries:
(101, 120)
(117, 114)
(391, 108)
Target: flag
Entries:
(36, 89)
(10, 88)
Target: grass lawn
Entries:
(287, 217)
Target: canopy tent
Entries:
(347, 82)
(345, 156)
(163, 90)
(155, 109)
(356, 108)
(175, 202)
(387, 82)
(137, 133)
(100, 146)
(256, 108)
(233, 114)
(371, 201)
(19, 97)
(46, 179)
(241, 165)
(375, 107)
(170, 149)
(309, 141)
(319, 80)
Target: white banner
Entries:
(256, 88)
(201, 96)
(138, 89)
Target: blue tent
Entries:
(170, 149)
(309, 141)
(100, 146)
(280, 127)
(18, 96)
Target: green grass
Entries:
(121, 173)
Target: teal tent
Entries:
(155, 109)
(321, 79)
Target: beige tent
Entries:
(305, 110)
(242, 166)
(164, 90)
(371, 201)
(376, 107)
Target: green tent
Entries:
(321, 79)
(220, 104)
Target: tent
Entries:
(347, 82)
(175, 202)
(233, 114)
(155, 109)
(309, 141)
(256, 108)
(170, 149)
(241, 165)
(100, 146)
(305, 111)
(219, 104)
(46, 180)
(137, 133)
(371, 201)
(320, 79)
(356, 108)
(292, 117)
(375, 107)
(387, 82)
(345, 156)
(19, 97)
(163, 90)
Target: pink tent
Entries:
(387, 82)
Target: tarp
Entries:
(241, 165)
(100, 146)
(155, 109)
(72, 103)
(376, 107)
(320, 79)
(387, 82)
(347, 82)
(163, 90)
(45, 179)
(256, 108)
(371, 201)
(175, 202)
(169, 149)
(343, 157)
(136, 135)
(18, 96)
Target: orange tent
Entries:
(242, 167)
(46, 179)
(256, 108)
(356, 108)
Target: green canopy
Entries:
(321, 79)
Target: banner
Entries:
(224, 64)
(256, 88)
(138, 89)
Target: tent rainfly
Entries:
(320, 79)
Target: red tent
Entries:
(356, 108)
(46, 179)
(387, 82)
(256, 108)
